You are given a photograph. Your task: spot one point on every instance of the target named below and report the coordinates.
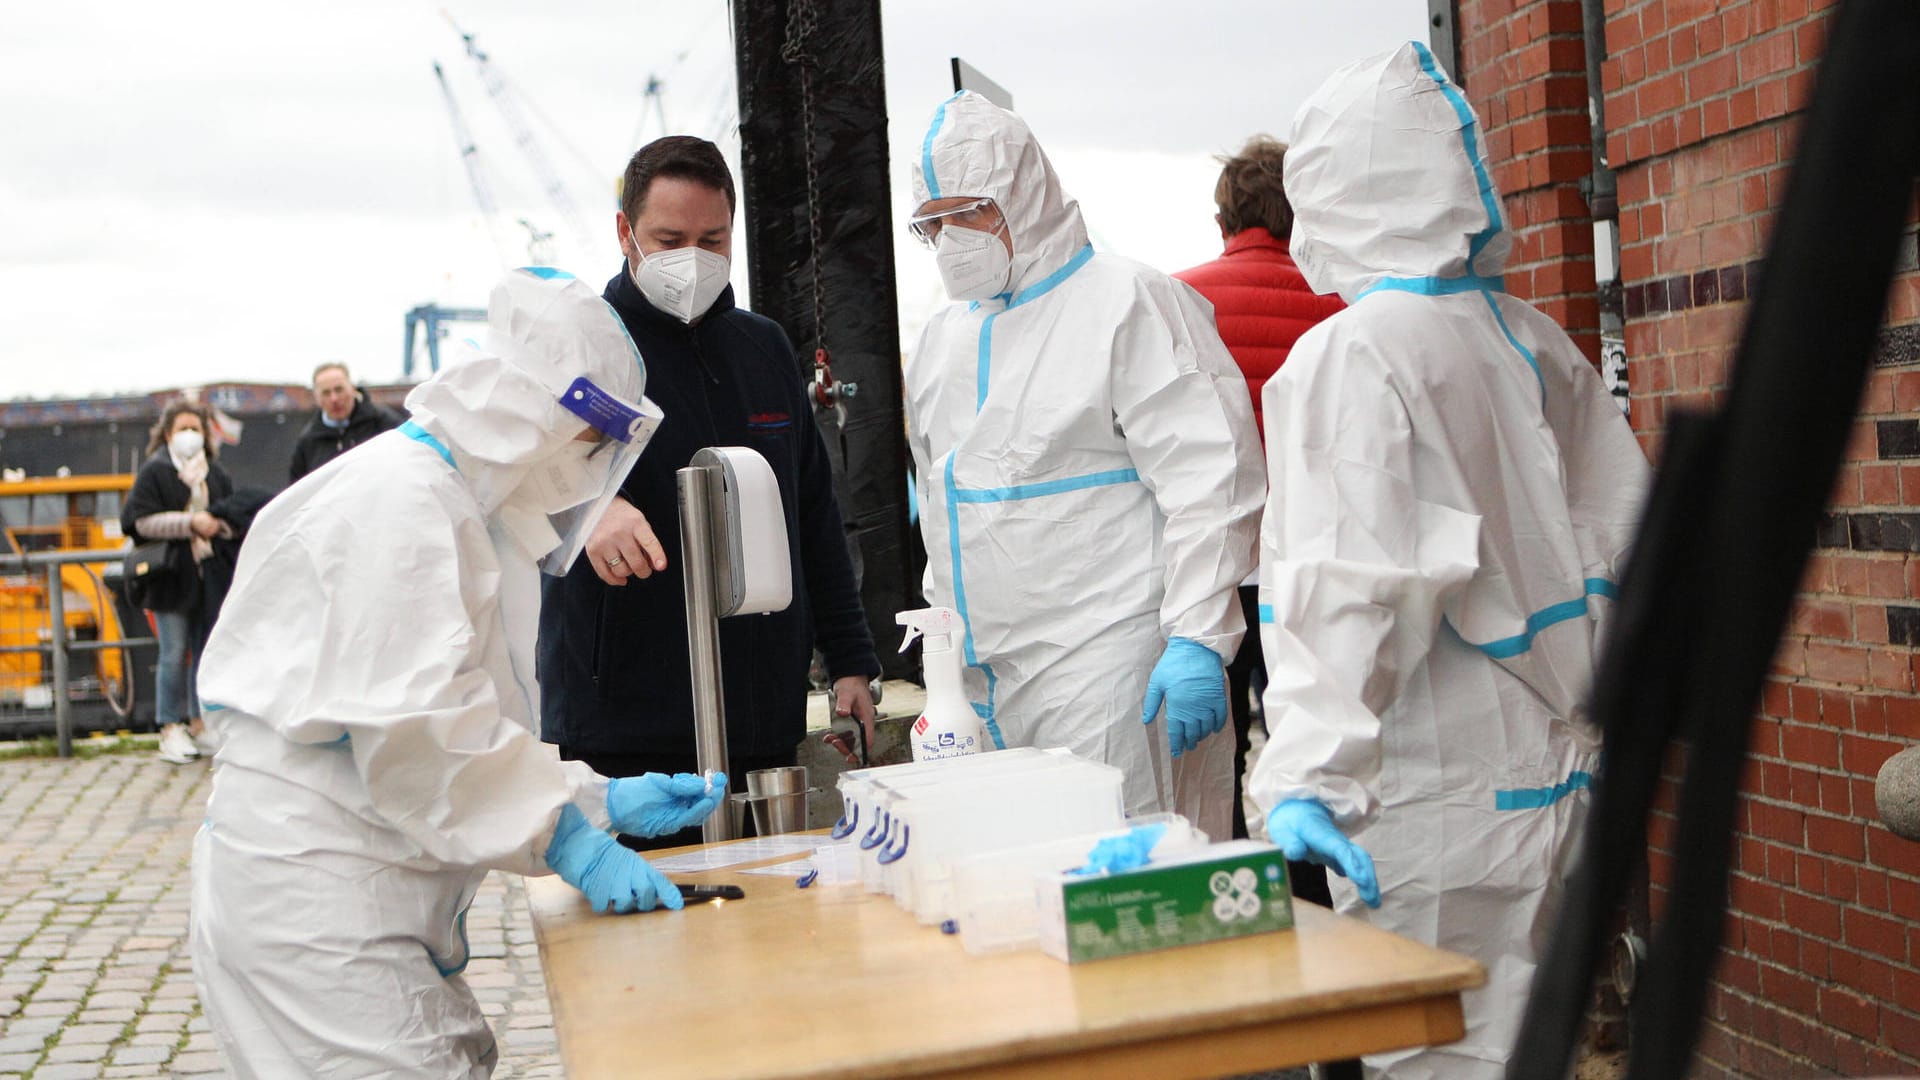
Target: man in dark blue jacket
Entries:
(614, 676)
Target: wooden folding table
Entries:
(831, 981)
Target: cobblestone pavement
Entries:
(95, 979)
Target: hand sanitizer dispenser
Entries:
(753, 573)
(733, 546)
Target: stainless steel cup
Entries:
(779, 799)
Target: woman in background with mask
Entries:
(169, 501)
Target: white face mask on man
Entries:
(973, 264)
(683, 282)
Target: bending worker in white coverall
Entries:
(1089, 474)
(1453, 492)
(372, 681)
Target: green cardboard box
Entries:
(1222, 891)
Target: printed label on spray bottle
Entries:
(932, 746)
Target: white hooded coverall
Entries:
(1089, 474)
(1452, 496)
(371, 677)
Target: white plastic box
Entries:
(895, 796)
(993, 893)
(860, 790)
(941, 827)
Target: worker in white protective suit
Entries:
(1452, 496)
(1089, 474)
(372, 681)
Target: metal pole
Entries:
(703, 635)
(57, 646)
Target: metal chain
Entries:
(802, 19)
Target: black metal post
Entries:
(813, 68)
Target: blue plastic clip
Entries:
(893, 855)
(806, 879)
(877, 832)
(844, 828)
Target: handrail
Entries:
(33, 560)
(57, 646)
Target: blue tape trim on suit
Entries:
(1046, 487)
(1266, 613)
(1469, 138)
(1508, 648)
(1536, 798)
(1439, 286)
(1515, 342)
(466, 952)
(1436, 286)
(548, 272)
(926, 150)
(955, 497)
(985, 712)
(983, 366)
(208, 706)
(1046, 284)
(421, 435)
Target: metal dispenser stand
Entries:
(733, 545)
(695, 484)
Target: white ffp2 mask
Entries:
(683, 282)
(973, 264)
(185, 444)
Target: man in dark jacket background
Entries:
(614, 674)
(344, 420)
(1261, 305)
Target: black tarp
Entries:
(834, 46)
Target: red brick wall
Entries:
(1821, 972)
(1527, 81)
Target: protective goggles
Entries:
(625, 428)
(980, 214)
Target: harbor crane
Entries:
(483, 197)
(507, 100)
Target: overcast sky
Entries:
(219, 190)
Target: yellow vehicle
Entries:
(64, 513)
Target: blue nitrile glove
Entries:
(1113, 854)
(1193, 681)
(657, 804)
(612, 878)
(1304, 831)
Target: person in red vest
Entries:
(1261, 305)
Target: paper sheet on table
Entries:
(794, 869)
(744, 851)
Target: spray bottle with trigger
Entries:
(948, 727)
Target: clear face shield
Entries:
(596, 471)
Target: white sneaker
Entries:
(176, 745)
(207, 743)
